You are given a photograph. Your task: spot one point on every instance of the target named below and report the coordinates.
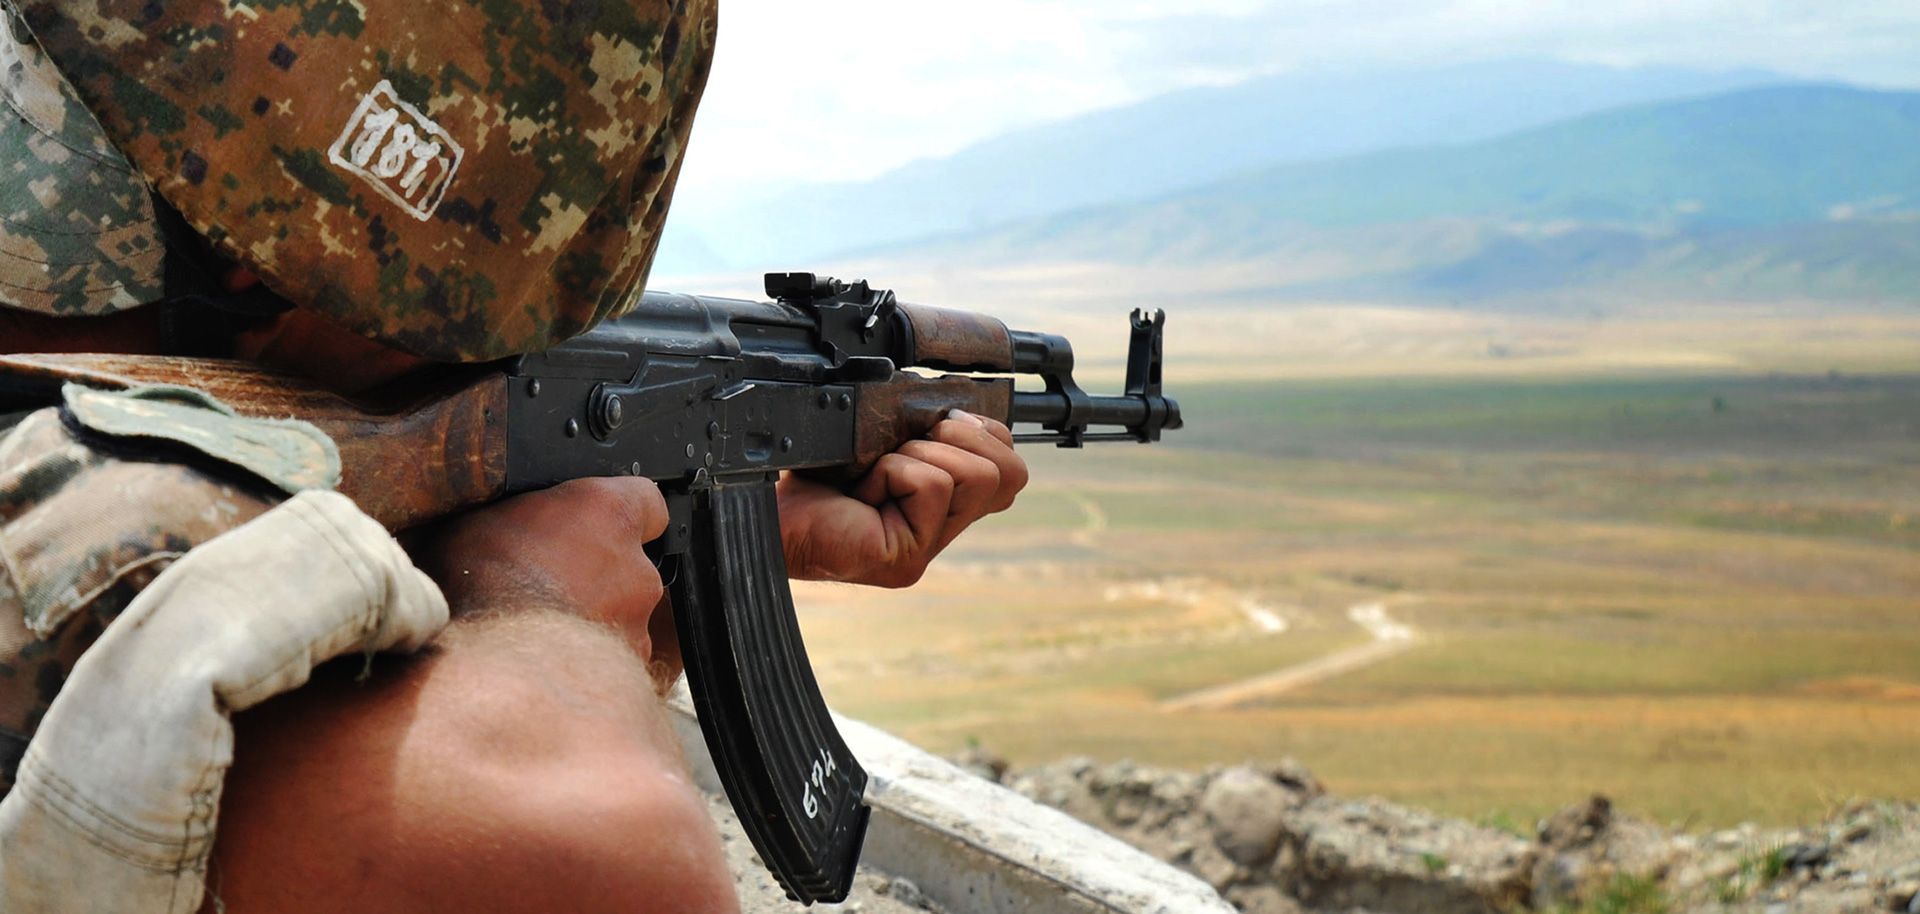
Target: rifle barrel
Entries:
(1141, 415)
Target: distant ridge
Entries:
(1159, 146)
(1797, 190)
(1756, 157)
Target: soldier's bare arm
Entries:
(523, 764)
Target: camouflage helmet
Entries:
(77, 228)
(462, 179)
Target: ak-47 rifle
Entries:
(712, 398)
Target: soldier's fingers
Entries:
(919, 495)
(633, 505)
(976, 480)
(994, 427)
(991, 441)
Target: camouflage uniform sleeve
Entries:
(86, 521)
(116, 803)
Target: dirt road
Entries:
(1389, 638)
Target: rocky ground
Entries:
(1273, 842)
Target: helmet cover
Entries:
(78, 234)
(462, 179)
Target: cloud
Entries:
(845, 90)
(1874, 41)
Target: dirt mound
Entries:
(1272, 841)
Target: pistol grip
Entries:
(794, 784)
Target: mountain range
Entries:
(1495, 182)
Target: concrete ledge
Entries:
(974, 847)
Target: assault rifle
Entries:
(712, 398)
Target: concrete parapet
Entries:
(973, 847)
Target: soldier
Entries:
(353, 190)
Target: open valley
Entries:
(1484, 590)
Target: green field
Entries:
(1699, 594)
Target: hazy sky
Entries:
(846, 89)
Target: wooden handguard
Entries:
(907, 407)
(958, 340)
(402, 463)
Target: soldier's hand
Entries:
(889, 525)
(574, 548)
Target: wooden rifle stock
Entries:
(412, 458)
(403, 462)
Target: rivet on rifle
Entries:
(612, 412)
(533, 387)
(709, 459)
(713, 430)
(636, 468)
(786, 444)
(689, 452)
(573, 428)
(846, 402)
(826, 399)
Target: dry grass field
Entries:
(1672, 559)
